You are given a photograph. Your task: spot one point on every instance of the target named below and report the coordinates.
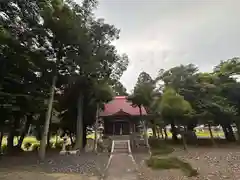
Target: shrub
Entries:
(58, 145)
(50, 145)
(35, 147)
(4, 149)
(172, 163)
(27, 145)
(68, 147)
(163, 163)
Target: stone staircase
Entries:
(121, 146)
(120, 137)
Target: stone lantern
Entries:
(100, 131)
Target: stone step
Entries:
(120, 137)
(120, 146)
(120, 151)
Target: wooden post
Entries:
(96, 129)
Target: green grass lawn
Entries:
(172, 163)
(204, 134)
(33, 140)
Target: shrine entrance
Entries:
(120, 117)
(118, 127)
(121, 128)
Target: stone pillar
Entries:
(63, 151)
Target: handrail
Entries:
(129, 147)
(113, 144)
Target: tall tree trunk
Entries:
(184, 140)
(56, 140)
(1, 138)
(225, 132)
(228, 132)
(29, 130)
(49, 132)
(95, 129)
(161, 132)
(43, 141)
(154, 130)
(12, 133)
(238, 131)
(211, 135)
(84, 136)
(145, 131)
(158, 132)
(79, 134)
(165, 133)
(26, 127)
(10, 139)
(71, 139)
(231, 133)
(174, 132)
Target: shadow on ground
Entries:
(86, 166)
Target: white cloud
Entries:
(162, 34)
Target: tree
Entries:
(175, 109)
(142, 97)
(99, 63)
(119, 89)
(228, 74)
(57, 45)
(22, 63)
(65, 33)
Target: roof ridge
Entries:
(120, 97)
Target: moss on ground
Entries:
(172, 163)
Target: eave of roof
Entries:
(120, 106)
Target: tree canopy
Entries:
(189, 97)
(58, 45)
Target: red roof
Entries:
(120, 106)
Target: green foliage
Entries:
(4, 148)
(172, 163)
(63, 39)
(35, 147)
(143, 92)
(27, 145)
(173, 105)
(58, 145)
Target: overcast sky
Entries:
(159, 34)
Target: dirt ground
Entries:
(211, 163)
(87, 166)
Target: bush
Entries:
(172, 163)
(35, 147)
(164, 163)
(68, 147)
(50, 145)
(58, 145)
(27, 145)
(4, 149)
